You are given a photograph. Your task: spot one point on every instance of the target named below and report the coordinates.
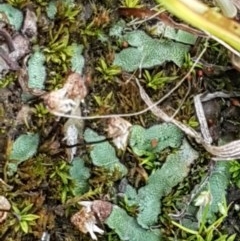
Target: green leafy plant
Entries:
(235, 172)
(18, 3)
(208, 232)
(105, 103)
(108, 72)
(7, 80)
(188, 63)
(67, 12)
(24, 218)
(91, 31)
(193, 122)
(131, 3)
(158, 80)
(55, 80)
(96, 27)
(40, 110)
(61, 173)
(148, 160)
(58, 50)
(42, 3)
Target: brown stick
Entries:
(8, 39)
(143, 13)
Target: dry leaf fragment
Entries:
(73, 130)
(102, 209)
(21, 47)
(24, 115)
(30, 24)
(119, 129)
(76, 87)
(66, 99)
(85, 220)
(5, 206)
(57, 101)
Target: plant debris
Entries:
(108, 127)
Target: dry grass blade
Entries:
(225, 152)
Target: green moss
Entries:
(160, 183)
(117, 29)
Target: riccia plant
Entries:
(23, 148)
(146, 52)
(77, 60)
(103, 154)
(159, 184)
(127, 227)
(179, 35)
(164, 135)
(217, 186)
(36, 70)
(79, 174)
(15, 16)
